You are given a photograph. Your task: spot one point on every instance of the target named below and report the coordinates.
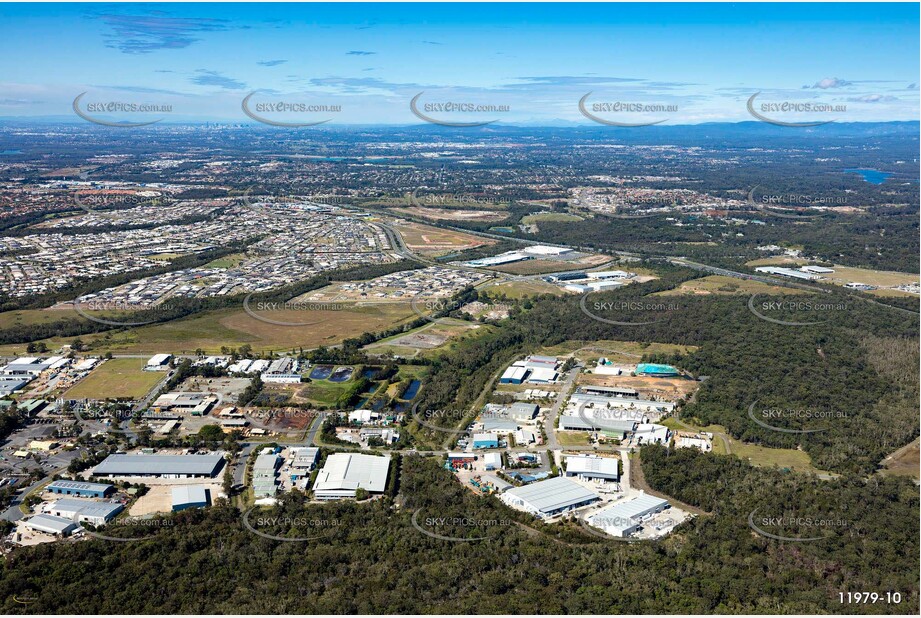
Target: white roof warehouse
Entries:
(624, 518)
(550, 497)
(344, 473)
(169, 466)
(96, 513)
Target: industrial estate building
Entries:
(189, 497)
(534, 369)
(196, 404)
(282, 371)
(344, 473)
(624, 518)
(485, 440)
(91, 511)
(165, 466)
(498, 260)
(513, 375)
(158, 362)
(265, 474)
(550, 497)
(492, 461)
(302, 460)
(788, 272)
(81, 489)
(699, 440)
(49, 524)
(593, 467)
(617, 428)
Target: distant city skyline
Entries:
(527, 63)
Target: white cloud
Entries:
(831, 82)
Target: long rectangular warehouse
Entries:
(81, 489)
(550, 497)
(167, 466)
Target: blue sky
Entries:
(694, 63)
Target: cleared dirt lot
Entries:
(664, 387)
(160, 497)
(426, 239)
(446, 214)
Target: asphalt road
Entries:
(239, 468)
(550, 422)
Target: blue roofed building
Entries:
(81, 489)
(485, 440)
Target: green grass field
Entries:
(550, 216)
(212, 330)
(228, 261)
(322, 392)
(10, 319)
(756, 455)
(523, 289)
(572, 438)
(118, 377)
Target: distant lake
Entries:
(10, 152)
(875, 177)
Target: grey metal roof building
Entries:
(550, 497)
(96, 513)
(344, 473)
(50, 524)
(266, 465)
(609, 391)
(523, 410)
(174, 466)
(189, 496)
(11, 385)
(304, 457)
(499, 425)
(265, 470)
(612, 425)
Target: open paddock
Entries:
(212, 330)
(116, 378)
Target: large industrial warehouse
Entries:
(624, 518)
(189, 497)
(164, 466)
(344, 473)
(592, 467)
(49, 524)
(548, 498)
(77, 509)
